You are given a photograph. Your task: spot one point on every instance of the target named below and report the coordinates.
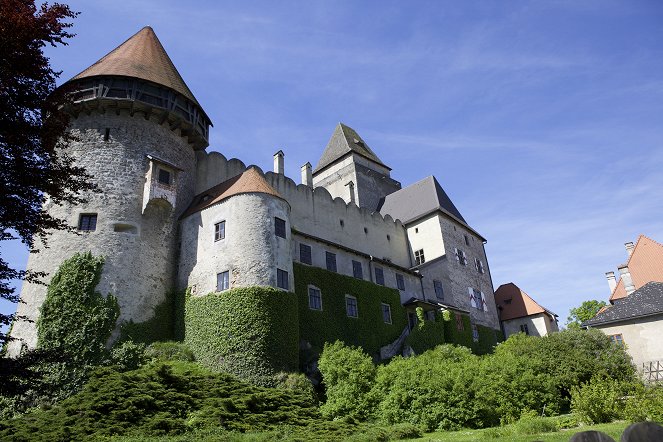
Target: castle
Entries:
(170, 215)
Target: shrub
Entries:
(645, 404)
(427, 334)
(128, 355)
(297, 382)
(169, 351)
(348, 374)
(597, 401)
(531, 423)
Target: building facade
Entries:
(170, 215)
(520, 313)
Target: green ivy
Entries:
(167, 323)
(74, 318)
(453, 335)
(330, 324)
(488, 339)
(251, 332)
(427, 334)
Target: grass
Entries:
(613, 429)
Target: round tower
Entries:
(136, 126)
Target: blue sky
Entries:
(542, 120)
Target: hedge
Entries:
(251, 332)
(330, 324)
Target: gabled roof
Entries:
(141, 56)
(343, 141)
(645, 264)
(512, 303)
(250, 181)
(418, 199)
(645, 301)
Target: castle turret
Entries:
(136, 126)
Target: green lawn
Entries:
(614, 429)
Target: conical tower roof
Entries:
(343, 141)
(141, 56)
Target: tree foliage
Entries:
(33, 164)
(586, 311)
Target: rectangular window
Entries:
(305, 254)
(479, 266)
(475, 333)
(379, 276)
(617, 339)
(467, 240)
(419, 257)
(314, 298)
(400, 281)
(219, 231)
(164, 177)
(386, 313)
(88, 222)
(460, 257)
(524, 329)
(222, 281)
(459, 322)
(357, 270)
(279, 227)
(351, 306)
(282, 279)
(430, 315)
(439, 290)
(331, 261)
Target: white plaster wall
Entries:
(335, 178)
(642, 338)
(426, 234)
(250, 251)
(537, 325)
(139, 267)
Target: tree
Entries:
(33, 132)
(585, 312)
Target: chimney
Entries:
(279, 164)
(629, 248)
(307, 175)
(612, 282)
(626, 277)
(351, 188)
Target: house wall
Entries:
(540, 324)
(641, 336)
(250, 251)
(139, 258)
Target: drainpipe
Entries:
(370, 267)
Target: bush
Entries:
(427, 334)
(296, 382)
(348, 374)
(645, 404)
(598, 401)
(128, 355)
(531, 423)
(169, 351)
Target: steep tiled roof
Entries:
(420, 198)
(645, 301)
(141, 56)
(513, 303)
(250, 181)
(343, 141)
(645, 264)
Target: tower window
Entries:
(439, 291)
(282, 279)
(386, 313)
(467, 240)
(164, 177)
(419, 257)
(219, 231)
(279, 227)
(379, 276)
(351, 306)
(88, 222)
(107, 134)
(314, 298)
(331, 261)
(400, 281)
(305, 254)
(357, 270)
(222, 281)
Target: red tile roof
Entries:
(513, 303)
(250, 181)
(141, 56)
(645, 265)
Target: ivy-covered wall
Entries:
(251, 332)
(368, 330)
(488, 337)
(167, 324)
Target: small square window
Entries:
(305, 254)
(617, 339)
(87, 222)
(386, 313)
(400, 281)
(379, 276)
(279, 227)
(282, 279)
(222, 281)
(331, 261)
(164, 177)
(219, 231)
(439, 290)
(357, 270)
(314, 298)
(351, 306)
(419, 257)
(524, 329)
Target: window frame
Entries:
(617, 338)
(280, 227)
(357, 269)
(217, 229)
(303, 247)
(330, 261)
(319, 297)
(419, 257)
(400, 282)
(220, 282)
(388, 311)
(524, 329)
(89, 216)
(461, 257)
(350, 305)
(379, 280)
(438, 284)
(280, 282)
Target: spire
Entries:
(345, 140)
(141, 56)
